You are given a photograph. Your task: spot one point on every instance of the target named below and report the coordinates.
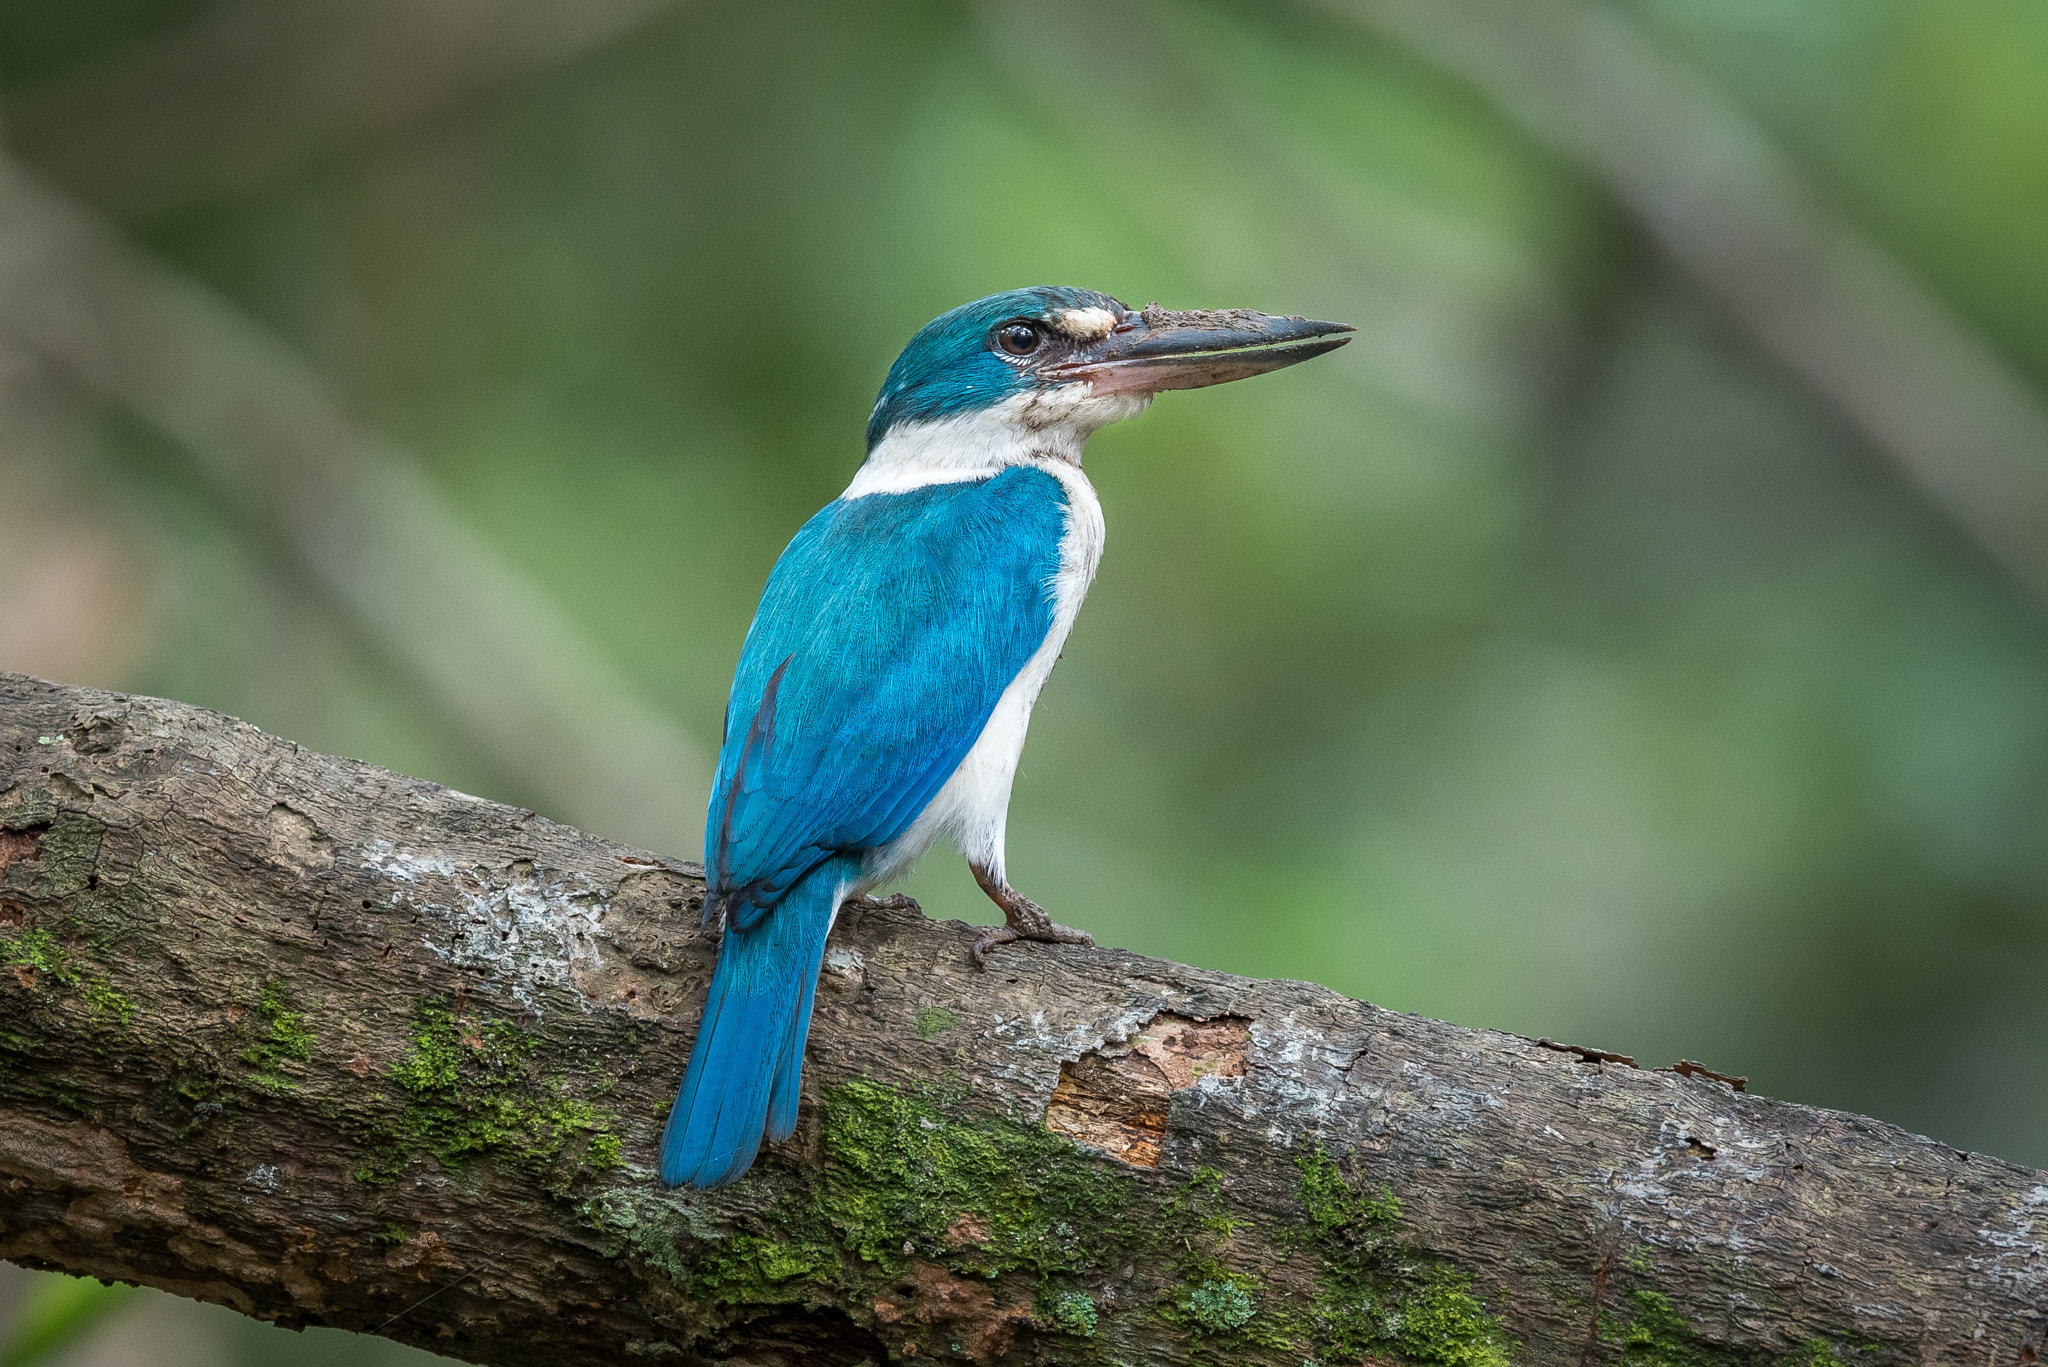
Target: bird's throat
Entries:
(1026, 429)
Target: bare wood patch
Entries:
(20, 846)
(1117, 1099)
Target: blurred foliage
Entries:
(56, 1310)
(1549, 659)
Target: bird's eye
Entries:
(1019, 339)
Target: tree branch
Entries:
(330, 1045)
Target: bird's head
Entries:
(1051, 364)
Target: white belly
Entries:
(973, 806)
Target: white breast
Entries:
(973, 807)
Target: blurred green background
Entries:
(1568, 655)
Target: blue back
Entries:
(888, 631)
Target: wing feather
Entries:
(888, 631)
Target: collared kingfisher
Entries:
(883, 691)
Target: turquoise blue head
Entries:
(1049, 338)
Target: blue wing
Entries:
(889, 629)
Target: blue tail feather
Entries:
(747, 1064)
(789, 1068)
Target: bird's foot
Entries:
(897, 902)
(861, 906)
(1023, 919)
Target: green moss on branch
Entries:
(40, 959)
(473, 1087)
(283, 1042)
(1374, 1295)
(908, 1195)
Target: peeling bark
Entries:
(316, 1041)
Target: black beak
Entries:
(1154, 349)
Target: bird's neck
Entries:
(1046, 428)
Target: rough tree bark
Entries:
(333, 1046)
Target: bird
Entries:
(882, 694)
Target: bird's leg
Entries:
(1023, 919)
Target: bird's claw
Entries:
(896, 902)
(1002, 935)
(1024, 919)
